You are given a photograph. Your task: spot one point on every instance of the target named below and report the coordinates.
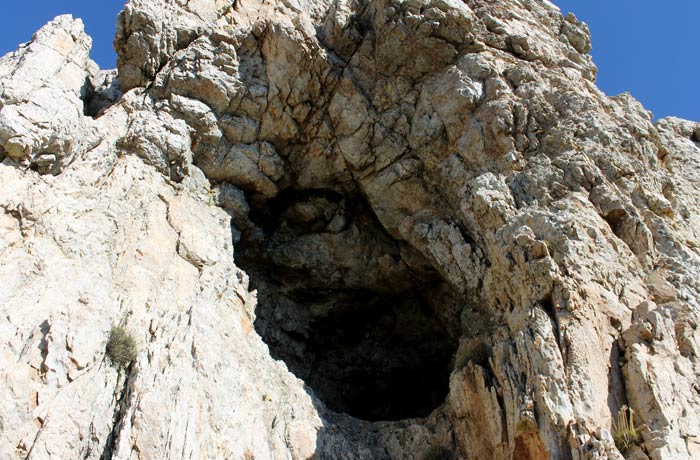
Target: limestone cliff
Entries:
(343, 229)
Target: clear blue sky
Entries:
(24, 17)
(647, 47)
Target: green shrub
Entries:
(437, 452)
(121, 348)
(624, 432)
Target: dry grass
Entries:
(624, 432)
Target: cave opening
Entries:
(362, 318)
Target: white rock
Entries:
(448, 165)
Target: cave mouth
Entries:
(360, 317)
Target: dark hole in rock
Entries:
(359, 316)
(100, 92)
(547, 304)
(46, 163)
(616, 219)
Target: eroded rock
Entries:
(456, 239)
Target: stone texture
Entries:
(356, 163)
(41, 85)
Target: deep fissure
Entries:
(356, 314)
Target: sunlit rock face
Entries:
(343, 230)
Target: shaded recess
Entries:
(100, 92)
(356, 314)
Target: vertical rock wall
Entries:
(429, 168)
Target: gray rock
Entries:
(42, 122)
(455, 239)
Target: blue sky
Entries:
(646, 47)
(24, 17)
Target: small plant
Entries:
(211, 198)
(121, 348)
(437, 452)
(550, 246)
(624, 432)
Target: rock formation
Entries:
(343, 229)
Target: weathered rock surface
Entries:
(450, 237)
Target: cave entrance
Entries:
(359, 316)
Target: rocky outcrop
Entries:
(343, 230)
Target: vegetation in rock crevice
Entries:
(625, 433)
(121, 348)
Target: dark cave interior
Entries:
(353, 312)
